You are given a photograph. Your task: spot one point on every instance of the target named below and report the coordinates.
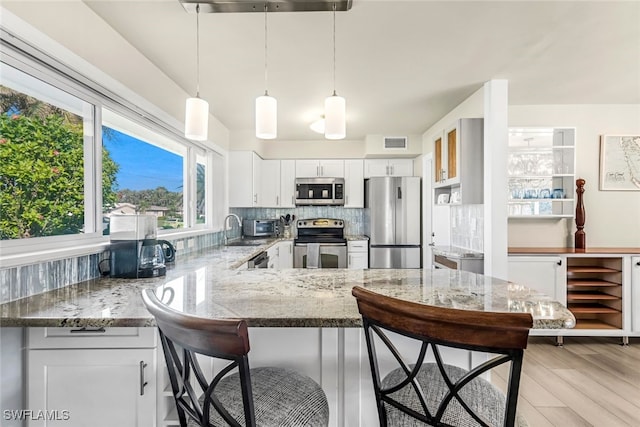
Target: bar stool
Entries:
(435, 393)
(237, 395)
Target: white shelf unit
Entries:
(541, 173)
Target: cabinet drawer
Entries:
(358, 246)
(80, 337)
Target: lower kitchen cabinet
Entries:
(635, 297)
(89, 385)
(281, 255)
(357, 254)
(545, 274)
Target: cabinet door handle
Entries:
(255, 198)
(638, 263)
(142, 381)
(277, 200)
(317, 170)
(321, 170)
(392, 171)
(85, 330)
(559, 262)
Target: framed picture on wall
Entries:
(620, 162)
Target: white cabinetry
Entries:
(635, 297)
(354, 183)
(269, 190)
(458, 168)
(244, 179)
(285, 254)
(280, 255)
(105, 377)
(540, 167)
(545, 274)
(358, 254)
(388, 167)
(324, 168)
(287, 184)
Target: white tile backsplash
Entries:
(467, 227)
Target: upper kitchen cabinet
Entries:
(458, 164)
(311, 168)
(541, 172)
(354, 183)
(388, 167)
(244, 179)
(277, 183)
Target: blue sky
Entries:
(143, 166)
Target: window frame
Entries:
(28, 59)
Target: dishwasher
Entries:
(261, 260)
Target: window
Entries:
(72, 152)
(44, 135)
(148, 173)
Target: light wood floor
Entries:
(587, 382)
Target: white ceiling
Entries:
(401, 65)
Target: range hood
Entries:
(238, 6)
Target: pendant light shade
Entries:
(266, 117)
(196, 121)
(334, 117)
(266, 106)
(335, 108)
(196, 115)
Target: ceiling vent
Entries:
(395, 143)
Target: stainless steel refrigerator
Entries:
(392, 221)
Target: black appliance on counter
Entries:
(320, 244)
(135, 251)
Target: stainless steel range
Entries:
(320, 244)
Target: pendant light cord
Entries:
(198, 51)
(266, 73)
(334, 48)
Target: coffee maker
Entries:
(135, 250)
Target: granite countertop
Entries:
(456, 252)
(205, 284)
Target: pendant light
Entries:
(197, 109)
(266, 106)
(334, 105)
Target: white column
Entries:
(496, 104)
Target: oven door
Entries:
(332, 255)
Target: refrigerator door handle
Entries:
(399, 192)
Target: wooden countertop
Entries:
(558, 251)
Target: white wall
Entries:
(612, 217)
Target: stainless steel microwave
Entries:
(260, 227)
(319, 191)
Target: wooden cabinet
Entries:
(595, 291)
(545, 274)
(103, 377)
(388, 167)
(540, 168)
(244, 179)
(310, 168)
(357, 254)
(458, 171)
(354, 183)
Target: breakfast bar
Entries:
(304, 319)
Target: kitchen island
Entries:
(300, 318)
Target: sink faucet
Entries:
(224, 224)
